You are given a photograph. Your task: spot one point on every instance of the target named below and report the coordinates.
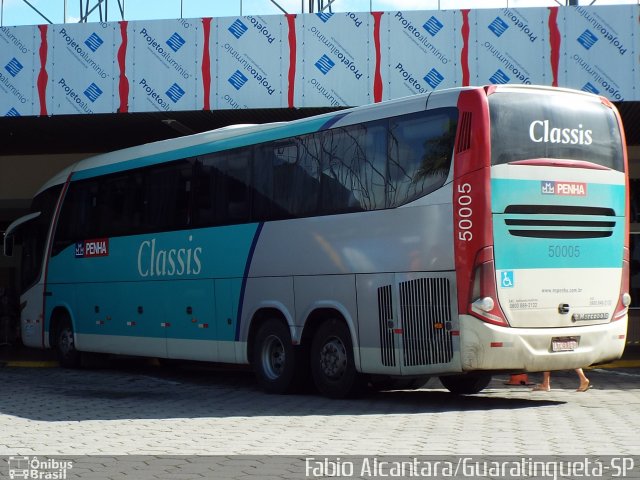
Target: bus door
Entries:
(29, 233)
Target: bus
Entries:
(457, 233)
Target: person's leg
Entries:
(545, 386)
(584, 381)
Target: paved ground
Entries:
(144, 410)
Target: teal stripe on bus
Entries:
(187, 279)
(516, 252)
(271, 134)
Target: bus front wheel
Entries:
(466, 384)
(274, 357)
(332, 362)
(68, 356)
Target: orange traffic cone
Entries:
(519, 379)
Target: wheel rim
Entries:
(66, 341)
(273, 357)
(333, 358)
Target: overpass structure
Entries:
(71, 90)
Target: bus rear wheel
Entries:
(68, 356)
(332, 363)
(466, 384)
(274, 358)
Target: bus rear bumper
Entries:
(485, 346)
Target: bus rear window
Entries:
(548, 125)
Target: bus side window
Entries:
(354, 168)
(167, 196)
(222, 190)
(121, 206)
(79, 215)
(420, 153)
(296, 172)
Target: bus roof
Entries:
(234, 136)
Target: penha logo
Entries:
(498, 26)
(13, 67)
(238, 28)
(93, 92)
(433, 26)
(98, 247)
(587, 39)
(93, 42)
(433, 78)
(567, 189)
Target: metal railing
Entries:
(29, 12)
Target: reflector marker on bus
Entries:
(131, 324)
(165, 324)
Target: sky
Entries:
(17, 12)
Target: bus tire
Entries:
(274, 358)
(466, 384)
(332, 363)
(68, 356)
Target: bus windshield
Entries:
(553, 126)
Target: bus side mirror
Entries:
(8, 245)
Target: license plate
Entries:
(564, 344)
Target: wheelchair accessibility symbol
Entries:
(506, 279)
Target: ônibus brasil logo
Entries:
(573, 189)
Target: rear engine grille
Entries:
(385, 318)
(426, 321)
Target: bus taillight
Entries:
(624, 299)
(484, 296)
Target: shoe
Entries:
(584, 388)
(540, 388)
